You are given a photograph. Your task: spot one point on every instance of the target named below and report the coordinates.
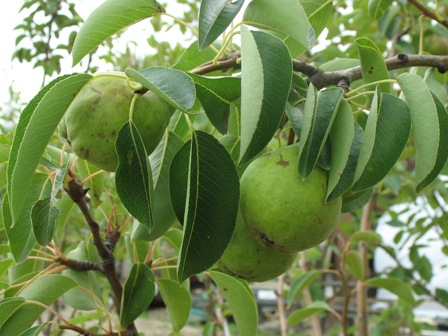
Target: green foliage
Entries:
(249, 82)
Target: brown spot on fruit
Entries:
(282, 162)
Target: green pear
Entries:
(94, 118)
(282, 211)
(247, 259)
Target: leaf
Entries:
(284, 16)
(266, 75)
(20, 236)
(348, 175)
(173, 86)
(318, 12)
(109, 18)
(177, 300)
(370, 237)
(395, 286)
(342, 135)
(302, 282)
(8, 306)
(5, 264)
(163, 213)
(442, 295)
(295, 117)
(35, 331)
(138, 292)
(442, 152)
(386, 134)
(241, 301)
(298, 316)
(425, 117)
(44, 289)
(216, 95)
(36, 125)
(356, 200)
(214, 17)
(43, 218)
(193, 57)
(133, 178)
(206, 186)
(354, 264)
(318, 116)
(372, 63)
(378, 7)
(95, 182)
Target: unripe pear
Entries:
(282, 211)
(251, 261)
(94, 118)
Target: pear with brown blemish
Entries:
(282, 211)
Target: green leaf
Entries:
(372, 63)
(208, 191)
(355, 200)
(318, 12)
(284, 16)
(193, 57)
(354, 264)
(44, 289)
(8, 306)
(36, 125)
(34, 331)
(370, 237)
(163, 213)
(214, 17)
(216, 95)
(295, 116)
(138, 292)
(5, 264)
(425, 117)
(177, 300)
(298, 316)
(378, 7)
(442, 295)
(442, 152)
(318, 116)
(241, 301)
(20, 236)
(43, 218)
(386, 134)
(395, 286)
(342, 135)
(302, 282)
(266, 75)
(348, 175)
(133, 178)
(78, 298)
(173, 86)
(109, 18)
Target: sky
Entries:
(27, 80)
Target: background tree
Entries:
(359, 85)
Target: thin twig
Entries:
(428, 13)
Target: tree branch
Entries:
(321, 78)
(428, 13)
(105, 248)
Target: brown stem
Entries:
(429, 13)
(86, 332)
(342, 78)
(281, 306)
(361, 289)
(105, 248)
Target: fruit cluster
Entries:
(280, 214)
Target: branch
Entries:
(86, 332)
(428, 13)
(105, 249)
(343, 78)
